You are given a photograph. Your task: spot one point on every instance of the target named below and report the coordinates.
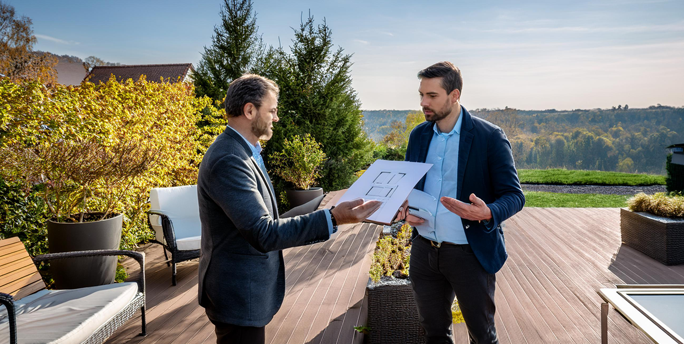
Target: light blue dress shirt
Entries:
(442, 180)
(256, 154)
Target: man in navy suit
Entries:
(241, 269)
(474, 178)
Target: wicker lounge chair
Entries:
(34, 314)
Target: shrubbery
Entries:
(392, 255)
(675, 176)
(660, 204)
(22, 214)
(161, 117)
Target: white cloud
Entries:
(361, 41)
(56, 40)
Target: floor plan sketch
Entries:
(389, 182)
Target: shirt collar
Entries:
(455, 130)
(256, 149)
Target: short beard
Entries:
(261, 129)
(437, 115)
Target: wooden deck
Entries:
(546, 292)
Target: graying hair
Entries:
(249, 88)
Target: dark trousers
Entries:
(439, 274)
(234, 334)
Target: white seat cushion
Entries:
(188, 232)
(67, 316)
(179, 202)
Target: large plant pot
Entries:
(82, 236)
(392, 313)
(299, 197)
(660, 238)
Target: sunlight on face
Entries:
(262, 125)
(434, 99)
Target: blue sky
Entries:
(521, 54)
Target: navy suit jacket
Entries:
(485, 168)
(241, 268)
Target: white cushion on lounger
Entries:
(67, 316)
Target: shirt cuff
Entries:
(331, 229)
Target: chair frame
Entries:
(177, 255)
(107, 329)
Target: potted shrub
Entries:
(81, 182)
(654, 225)
(392, 311)
(299, 163)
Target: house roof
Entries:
(154, 72)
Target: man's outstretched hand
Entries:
(354, 211)
(475, 211)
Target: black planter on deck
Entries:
(299, 197)
(83, 236)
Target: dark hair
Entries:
(249, 88)
(450, 74)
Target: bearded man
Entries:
(241, 270)
(474, 177)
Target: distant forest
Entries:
(620, 139)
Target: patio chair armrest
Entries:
(157, 212)
(139, 257)
(8, 301)
(167, 227)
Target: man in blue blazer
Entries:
(474, 178)
(241, 269)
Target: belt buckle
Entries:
(435, 244)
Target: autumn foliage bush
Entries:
(154, 117)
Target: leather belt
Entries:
(439, 244)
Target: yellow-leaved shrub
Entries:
(161, 117)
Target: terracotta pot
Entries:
(82, 236)
(299, 197)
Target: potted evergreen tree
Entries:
(81, 182)
(299, 163)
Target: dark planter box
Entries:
(83, 272)
(660, 238)
(299, 197)
(392, 313)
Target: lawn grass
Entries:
(581, 177)
(538, 199)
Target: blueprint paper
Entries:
(389, 182)
(425, 204)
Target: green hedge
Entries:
(22, 214)
(675, 176)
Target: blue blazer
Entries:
(485, 168)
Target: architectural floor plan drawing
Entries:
(389, 182)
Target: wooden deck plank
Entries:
(339, 304)
(301, 314)
(546, 292)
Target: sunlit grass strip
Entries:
(581, 177)
(538, 199)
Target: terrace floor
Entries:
(546, 291)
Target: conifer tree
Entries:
(316, 97)
(235, 46)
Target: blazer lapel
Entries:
(264, 176)
(464, 150)
(267, 181)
